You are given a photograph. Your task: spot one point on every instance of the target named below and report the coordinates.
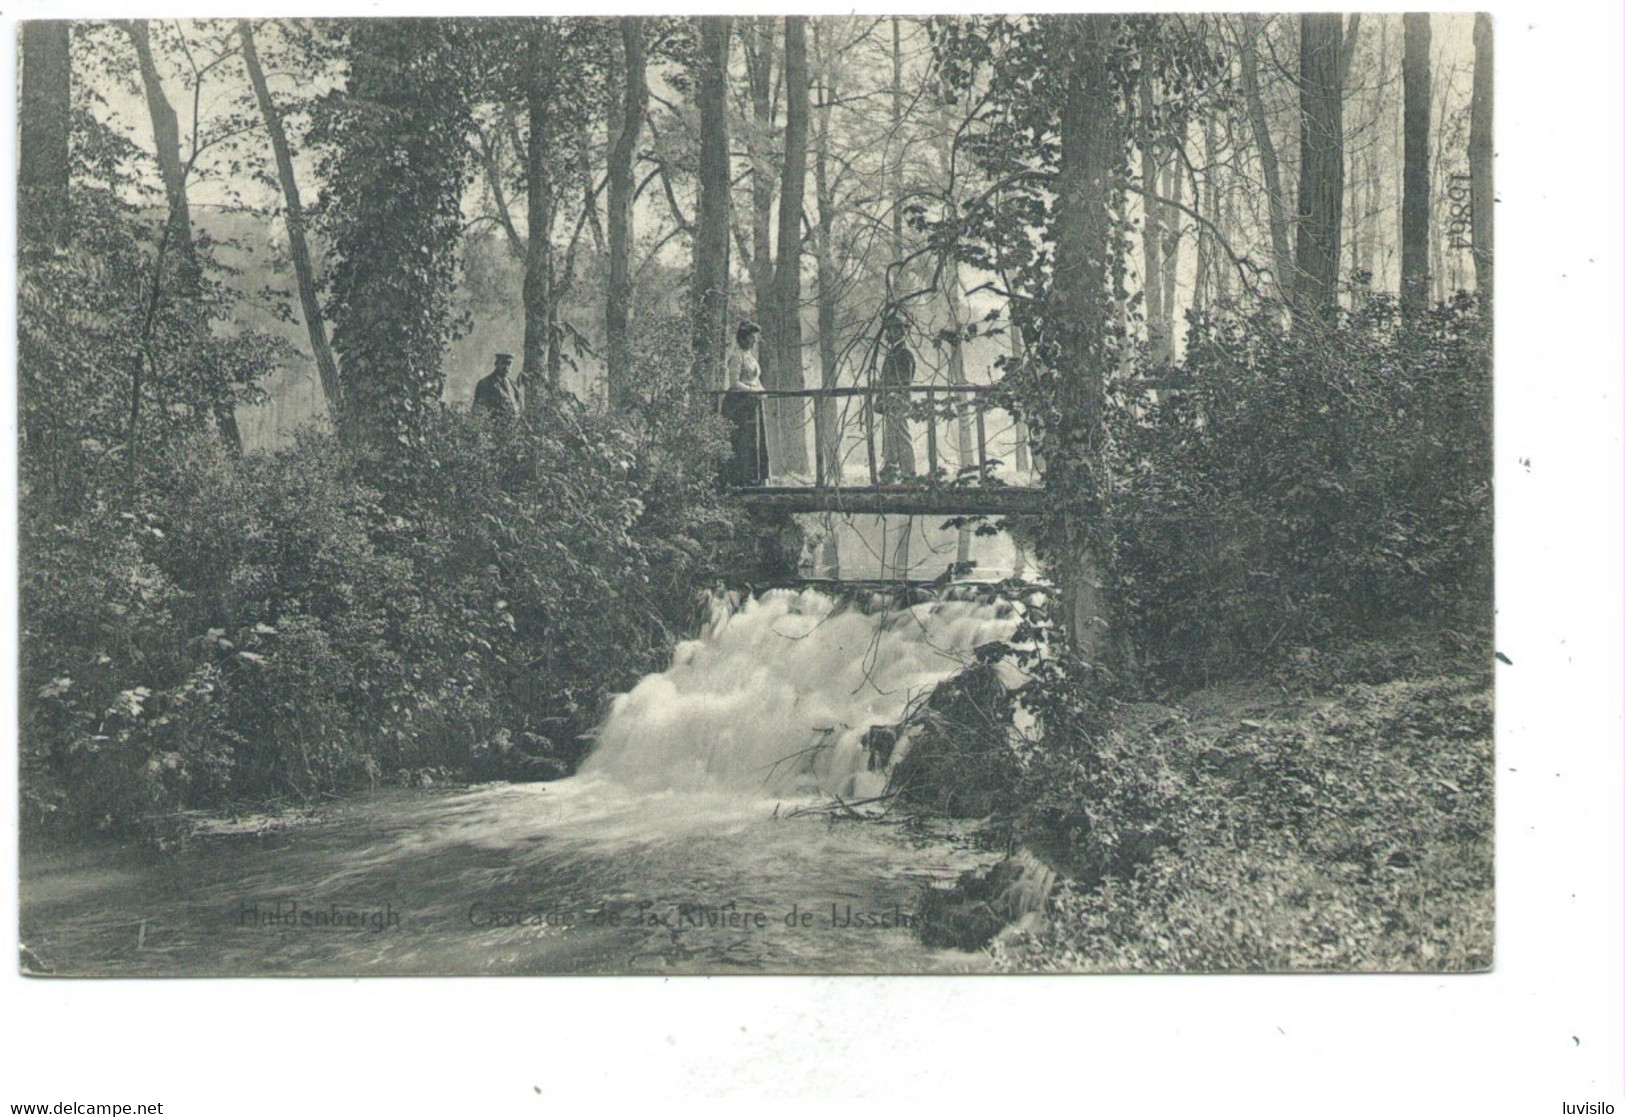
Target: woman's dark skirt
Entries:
(747, 437)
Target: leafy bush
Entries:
(99, 641)
(1355, 834)
(287, 624)
(1304, 484)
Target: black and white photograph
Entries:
(761, 493)
(699, 495)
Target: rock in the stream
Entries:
(529, 759)
(968, 916)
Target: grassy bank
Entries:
(1335, 814)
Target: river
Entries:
(677, 849)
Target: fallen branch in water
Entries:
(843, 809)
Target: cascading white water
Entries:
(775, 697)
(614, 870)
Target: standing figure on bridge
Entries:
(897, 372)
(742, 408)
(500, 393)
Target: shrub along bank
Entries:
(281, 626)
(1300, 542)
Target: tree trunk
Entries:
(1206, 198)
(1481, 163)
(759, 72)
(1320, 180)
(1024, 456)
(490, 160)
(825, 420)
(897, 138)
(895, 278)
(828, 442)
(1375, 248)
(1353, 216)
(1228, 222)
(304, 273)
(178, 230)
(965, 437)
(1437, 184)
(710, 286)
(43, 225)
(1156, 321)
(42, 169)
(167, 148)
(1171, 239)
(789, 416)
(540, 82)
(1414, 215)
(1280, 241)
(1082, 308)
(618, 307)
(589, 196)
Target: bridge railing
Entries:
(854, 436)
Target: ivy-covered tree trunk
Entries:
(1320, 176)
(788, 417)
(618, 308)
(393, 214)
(1079, 320)
(1157, 327)
(541, 63)
(294, 217)
(42, 169)
(1414, 204)
(711, 281)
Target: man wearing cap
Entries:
(500, 393)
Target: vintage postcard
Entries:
(853, 494)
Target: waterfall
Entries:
(775, 696)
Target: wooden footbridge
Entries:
(863, 446)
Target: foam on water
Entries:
(775, 697)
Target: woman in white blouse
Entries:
(742, 408)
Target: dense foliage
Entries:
(116, 357)
(206, 630)
(427, 592)
(1338, 818)
(282, 625)
(1304, 485)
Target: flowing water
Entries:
(676, 849)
